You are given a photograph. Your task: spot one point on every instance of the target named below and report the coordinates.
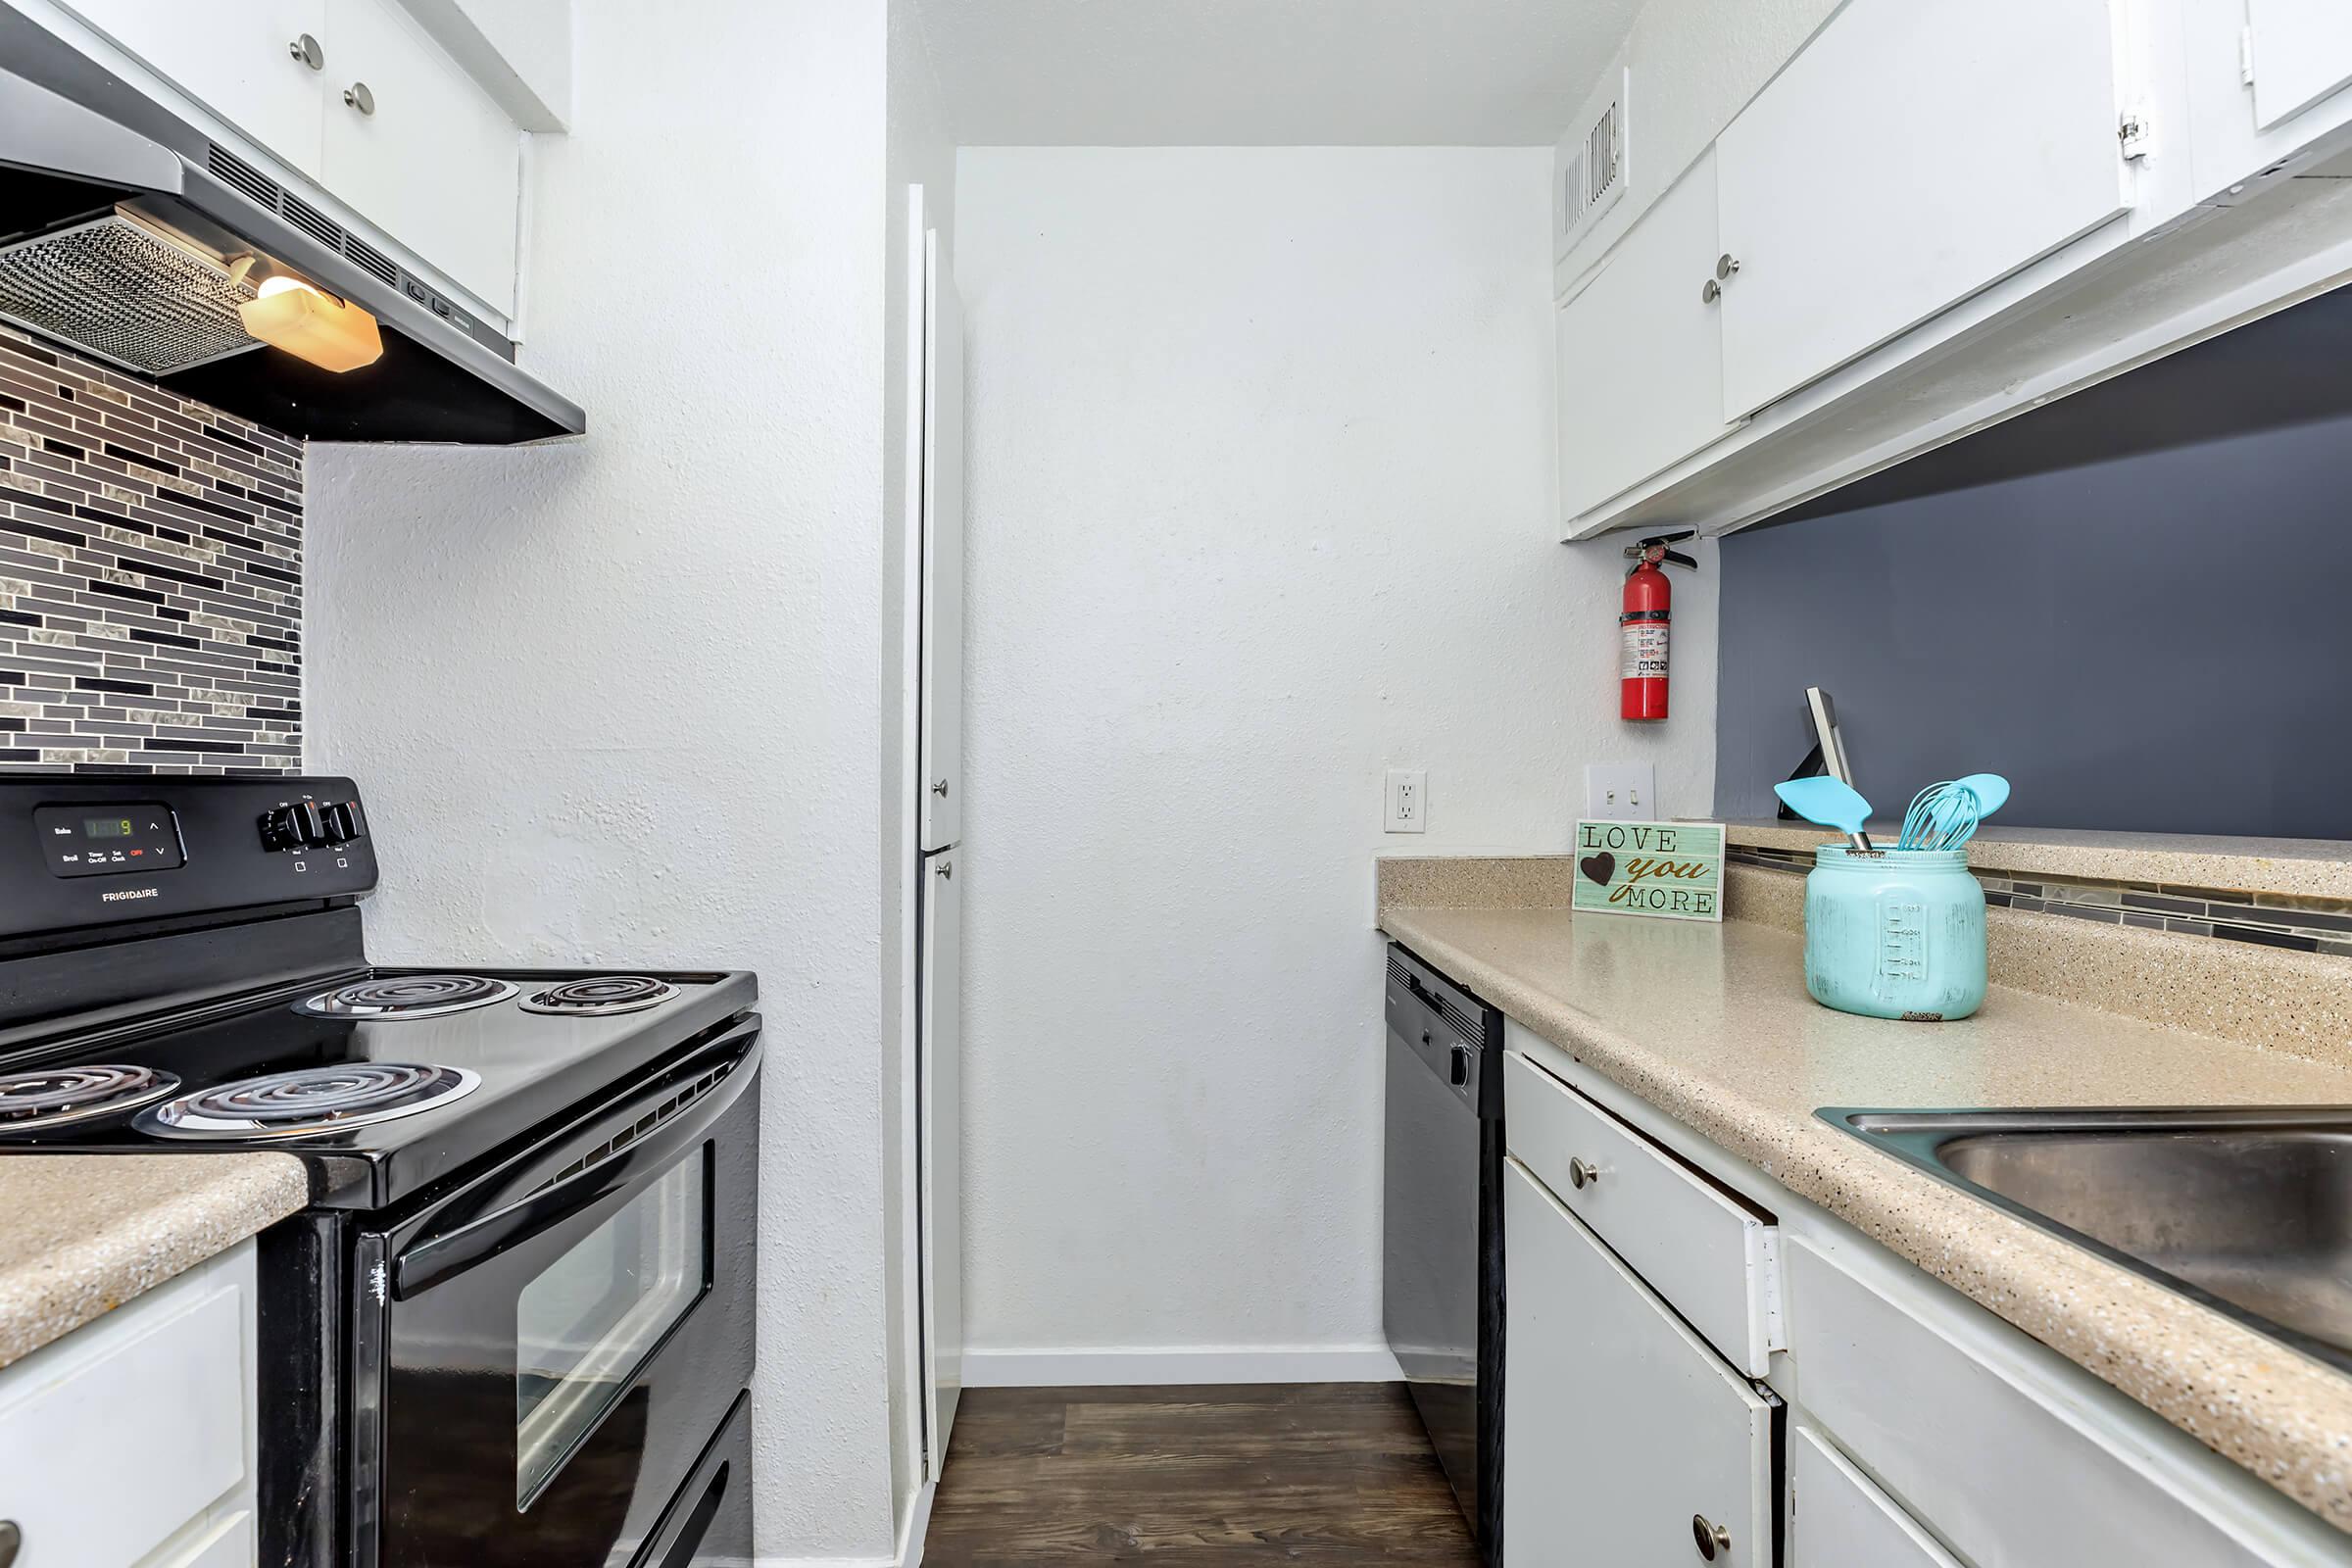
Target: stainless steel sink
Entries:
(2248, 1210)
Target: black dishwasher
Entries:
(1441, 1289)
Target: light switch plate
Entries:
(1405, 801)
(1621, 792)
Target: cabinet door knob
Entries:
(1582, 1174)
(947, 868)
(1710, 1537)
(12, 1541)
(1724, 265)
(939, 786)
(358, 97)
(1710, 292)
(306, 49)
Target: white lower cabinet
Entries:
(1920, 1430)
(1837, 1519)
(1628, 1442)
(129, 1443)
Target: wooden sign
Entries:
(1669, 871)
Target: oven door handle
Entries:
(441, 1255)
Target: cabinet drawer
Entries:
(1704, 1250)
(1837, 1519)
(1625, 1430)
(153, 1395)
(1988, 1452)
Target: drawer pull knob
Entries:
(1582, 1174)
(361, 97)
(1711, 1537)
(12, 1541)
(304, 48)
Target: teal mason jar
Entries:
(1897, 934)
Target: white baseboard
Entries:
(1178, 1365)
(918, 1525)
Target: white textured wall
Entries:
(1695, 64)
(617, 701)
(1261, 504)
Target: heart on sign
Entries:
(1599, 867)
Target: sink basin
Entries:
(2248, 1211)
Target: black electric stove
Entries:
(515, 1325)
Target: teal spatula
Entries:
(1832, 802)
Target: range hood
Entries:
(132, 236)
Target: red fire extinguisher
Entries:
(1644, 622)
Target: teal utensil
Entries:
(1992, 792)
(1832, 802)
(1946, 815)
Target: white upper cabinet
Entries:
(419, 149)
(385, 120)
(245, 62)
(1914, 153)
(2298, 51)
(1640, 350)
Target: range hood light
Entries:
(332, 333)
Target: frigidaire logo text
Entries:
(127, 893)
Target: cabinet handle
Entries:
(1724, 265)
(1711, 1537)
(939, 786)
(306, 49)
(947, 868)
(1582, 1175)
(12, 1541)
(1710, 292)
(358, 97)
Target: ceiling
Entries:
(1268, 72)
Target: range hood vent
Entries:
(129, 234)
(126, 295)
(244, 176)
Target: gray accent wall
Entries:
(2157, 640)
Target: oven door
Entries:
(540, 1358)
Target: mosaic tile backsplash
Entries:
(150, 577)
(2287, 921)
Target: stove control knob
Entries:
(342, 822)
(279, 831)
(293, 827)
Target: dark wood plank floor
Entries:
(1322, 1473)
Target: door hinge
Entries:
(2136, 131)
(2246, 55)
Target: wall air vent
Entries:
(314, 222)
(1589, 166)
(235, 171)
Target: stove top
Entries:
(381, 1080)
(407, 995)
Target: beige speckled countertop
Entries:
(2305, 867)
(1712, 1025)
(81, 1234)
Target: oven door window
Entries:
(586, 1324)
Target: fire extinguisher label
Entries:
(1644, 654)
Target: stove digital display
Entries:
(134, 836)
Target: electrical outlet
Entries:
(1405, 808)
(1621, 792)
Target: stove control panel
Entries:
(85, 850)
(108, 840)
(312, 824)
